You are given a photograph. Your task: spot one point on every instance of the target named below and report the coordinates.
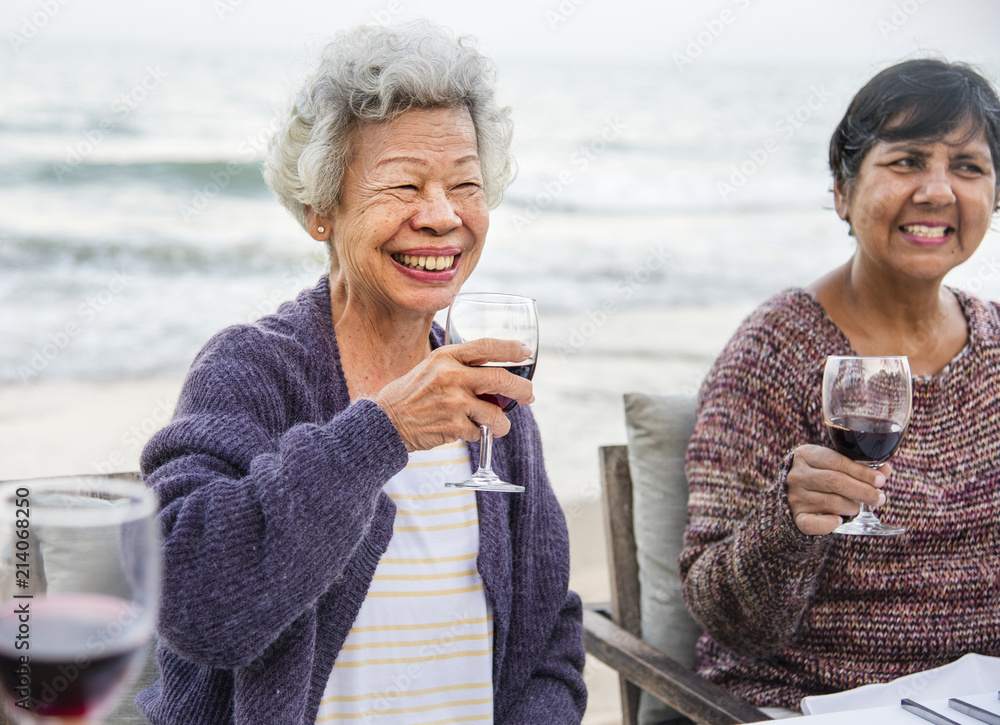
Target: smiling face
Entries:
(412, 218)
(919, 209)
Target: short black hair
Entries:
(924, 99)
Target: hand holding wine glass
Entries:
(473, 316)
(79, 594)
(866, 408)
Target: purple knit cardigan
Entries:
(273, 520)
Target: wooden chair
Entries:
(615, 637)
(125, 713)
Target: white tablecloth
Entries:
(966, 676)
(895, 715)
(973, 678)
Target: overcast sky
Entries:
(866, 32)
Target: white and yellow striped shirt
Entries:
(421, 648)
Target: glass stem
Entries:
(866, 510)
(486, 450)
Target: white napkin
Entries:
(969, 675)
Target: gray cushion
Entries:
(659, 427)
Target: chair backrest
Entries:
(616, 487)
(659, 428)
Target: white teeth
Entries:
(429, 264)
(921, 230)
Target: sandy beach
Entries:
(586, 363)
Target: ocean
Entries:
(134, 222)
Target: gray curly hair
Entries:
(373, 74)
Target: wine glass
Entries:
(79, 594)
(474, 315)
(866, 408)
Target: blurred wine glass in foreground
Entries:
(79, 590)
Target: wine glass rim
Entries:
(494, 297)
(126, 501)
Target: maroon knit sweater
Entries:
(788, 615)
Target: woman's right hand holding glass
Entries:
(436, 402)
(825, 486)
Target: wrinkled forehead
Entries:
(437, 129)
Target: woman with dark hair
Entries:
(789, 608)
(316, 569)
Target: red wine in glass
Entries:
(521, 370)
(81, 653)
(864, 439)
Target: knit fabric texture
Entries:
(788, 615)
(273, 519)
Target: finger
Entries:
(471, 431)
(491, 416)
(820, 458)
(841, 505)
(817, 524)
(831, 489)
(848, 487)
(825, 458)
(489, 349)
(886, 470)
(805, 501)
(852, 489)
(497, 381)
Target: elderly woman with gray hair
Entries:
(316, 569)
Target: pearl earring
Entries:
(320, 229)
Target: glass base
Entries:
(866, 524)
(487, 481)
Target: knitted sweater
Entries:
(788, 615)
(273, 519)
